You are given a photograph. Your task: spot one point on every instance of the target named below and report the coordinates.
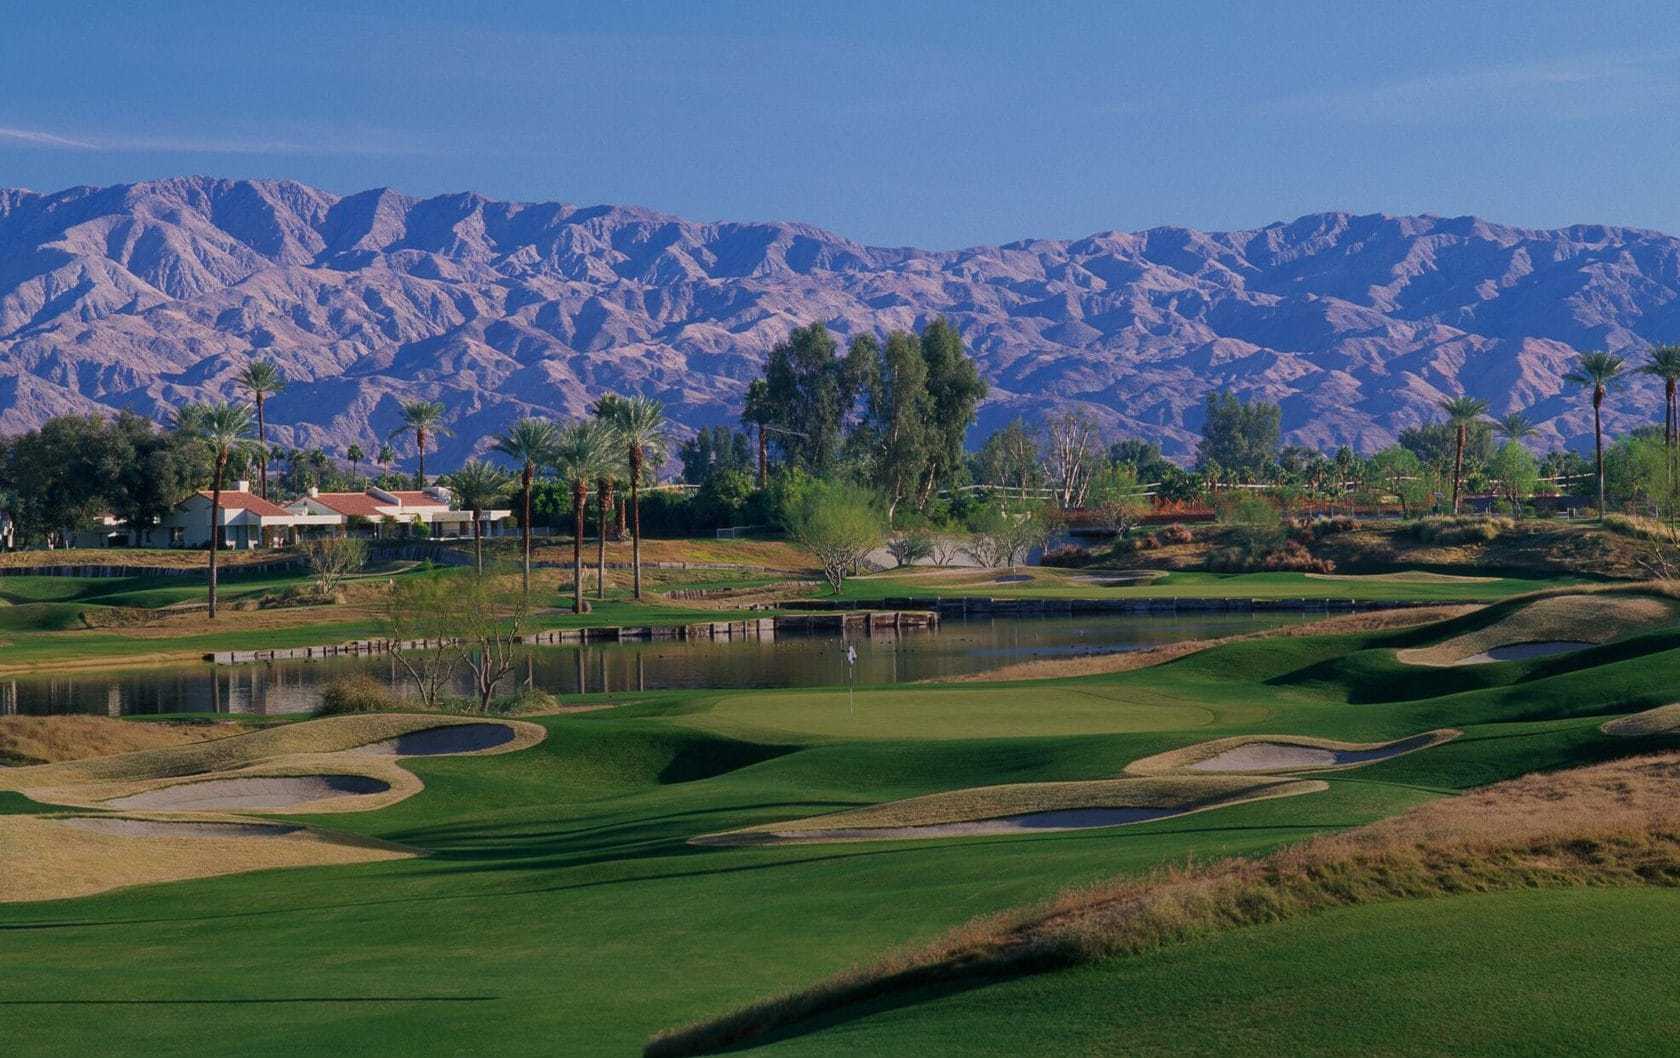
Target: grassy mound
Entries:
(49, 739)
(1178, 795)
(1588, 618)
(1340, 754)
(1614, 824)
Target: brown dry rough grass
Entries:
(159, 558)
(1577, 616)
(1610, 824)
(1098, 664)
(1175, 760)
(1180, 793)
(49, 859)
(48, 739)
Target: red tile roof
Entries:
(248, 501)
(351, 503)
(419, 499)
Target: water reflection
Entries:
(957, 647)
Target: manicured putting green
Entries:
(962, 712)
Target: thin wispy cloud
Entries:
(370, 143)
(1573, 88)
(38, 138)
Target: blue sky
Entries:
(936, 124)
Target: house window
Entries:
(177, 536)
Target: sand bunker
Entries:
(1553, 625)
(1663, 720)
(219, 795)
(1524, 651)
(1021, 808)
(176, 828)
(438, 741)
(53, 859)
(1261, 754)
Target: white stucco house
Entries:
(378, 512)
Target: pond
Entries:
(957, 647)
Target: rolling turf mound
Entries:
(1019, 807)
(1609, 825)
(1552, 624)
(1652, 723)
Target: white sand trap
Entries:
(439, 741)
(1524, 651)
(1285, 756)
(284, 791)
(161, 828)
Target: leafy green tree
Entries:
(1597, 372)
(839, 525)
(222, 429)
(1400, 471)
(1144, 456)
(159, 469)
(1118, 497)
(954, 392)
(714, 450)
(478, 486)
(1010, 457)
(423, 419)
(1516, 473)
(808, 390)
(893, 441)
(530, 444)
(1237, 435)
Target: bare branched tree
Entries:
(1070, 456)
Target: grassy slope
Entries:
(563, 913)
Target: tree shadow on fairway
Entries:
(240, 1001)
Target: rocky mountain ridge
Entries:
(146, 295)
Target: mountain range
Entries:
(145, 295)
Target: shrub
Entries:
(1169, 535)
(909, 548)
(1451, 531)
(359, 693)
(1639, 528)
(1070, 556)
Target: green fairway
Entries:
(1045, 583)
(562, 911)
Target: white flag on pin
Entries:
(851, 655)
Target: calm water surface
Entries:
(955, 648)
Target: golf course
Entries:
(1244, 848)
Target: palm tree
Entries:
(355, 455)
(757, 412)
(1597, 371)
(262, 380)
(530, 443)
(604, 483)
(423, 418)
(1665, 364)
(479, 485)
(580, 453)
(639, 423)
(1461, 412)
(386, 455)
(224, 429)
(1515, 427)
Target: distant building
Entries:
(378, 512)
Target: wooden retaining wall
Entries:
(865, 622)
(117, 570)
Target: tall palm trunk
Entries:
(1669, 409)
(1598, 447)
(478, 542)
(262, 456)
(420, 443)
(603, 503)
(636, 518)
(215, 529)
(525, 526)
(1458, 466)
(580, 497)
